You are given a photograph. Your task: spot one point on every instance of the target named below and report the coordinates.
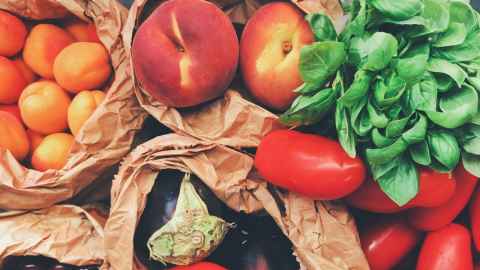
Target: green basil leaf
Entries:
(345, 133)
(436, 15)
(461, 12)
(412, 68)
(471, 139)
(382, 47)
(455, 35)
(389, 92)
(356, 27)
(400, 10)
(359, 118)
(357, 90)
(307, 88)
(444, 148)
(458, 108)
(398, 179)
(416, 20)
(423, 95)
(378, 118)
(420, 153)
(358, 50)
(380, 140)
(466, 51)
(321, 26)
(396, 127)
(471, 163)
(452, 70)
(417, 132)
(321, 60)
(475, 82)
(386, 154)
(444, 82)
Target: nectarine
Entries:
(81, 30)
(13, 136)
(11, 81)
(82, 107)
(25, 70)
(43, 44)
(44, 107)
(13, 109)
(35, 139)
(53, 151)
(82, 66)
(185, 53)
(12, 34)
(270, 53)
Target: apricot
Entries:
(42, 46)
(82, 107)
(13, 109)
(11, 81)
(44, 107)
(13, 136)
(81, 30)
(35, 139)
(185, 53)
(82, 66)
(53, 151)
(270, 53)
(12, 34)
(25, 70)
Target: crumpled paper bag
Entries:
(68, 233)
(104, 139)
(231, 120)
(323, 234)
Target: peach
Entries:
(81, 30)
(11, 81)
(53, 151)
(35, 139)
(13, 109)
(82, 66)
(13, 136)
(12, 34)
(42, 46)
(82, 107)
(270, 53)
(25, 70)
(185, 53)
(44, 107)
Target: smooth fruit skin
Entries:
(311, 165)
(11, 81)
(13, 136)
(446, 249)
(81, 30)
(270, 53)
(44, 106)
(199, 266)
(43, 44)
(475, 218)
(82, 107)
(435, 189)
(82, 66)
(35, 139)
(53, 151)
(12, 34)
(386, 242)
(13, 109)
(25, 70)
(185, 53)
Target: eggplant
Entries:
(39, 263)
(161, 209)
(255, 243)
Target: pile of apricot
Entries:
(50, 73)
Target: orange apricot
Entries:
(53, 151)
(25, 70)
(42, 46)
(13, 109)
(12, 34)
(81, 31)
(44, 107)
(82, 66)
(11, 81)
(82, 107)
(35, 139)
(13, 136)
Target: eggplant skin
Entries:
(161, 204)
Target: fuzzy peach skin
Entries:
(35, 139)
(13, 136)
(11, 81)
(25, 70)
(13, 109)
(43, 44)
(44, 107)
(53, 151)
(12, 34)
(185, 53)
(81, 30)
(82, 66)
(82, 107)
(270, 53)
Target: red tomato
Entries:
(385, 243)
(434, 189)
(446, 249)
(475, 218)
(308, 164)
(199, 266)
(433, 218)
(13, 109)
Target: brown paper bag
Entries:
(231, 120)
(104, 139)
(67, 233)
(323, 234)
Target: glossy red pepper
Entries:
(434, 189)
(199, 266)
(446, 249)
(433, 218)
(475, 218)
(308, 164)
(387, 241)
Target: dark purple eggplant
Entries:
(39, 263)
(160, 209)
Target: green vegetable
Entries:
(321, 60)
(444, 149)
(321, 26)
(400, 10)
(452, 70)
